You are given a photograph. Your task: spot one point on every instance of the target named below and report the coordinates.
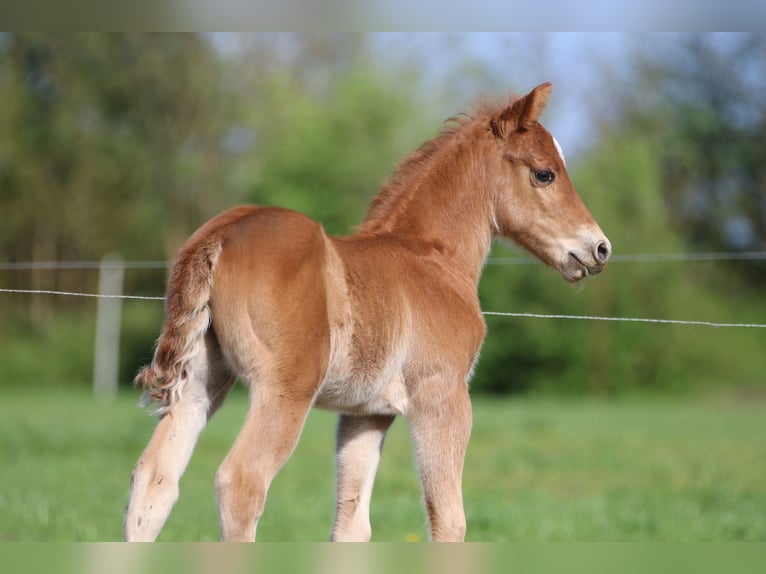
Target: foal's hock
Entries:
(382, 323)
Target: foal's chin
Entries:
(573, 276)
(574, 270)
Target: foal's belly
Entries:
(376, 389)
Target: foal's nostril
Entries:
(602, 251)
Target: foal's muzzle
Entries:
(583, 263)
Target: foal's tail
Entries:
(187, 319)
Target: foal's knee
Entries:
(237, 487)
(152, 483)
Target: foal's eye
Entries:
(544, 176)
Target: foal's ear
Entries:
(523, 113)
(532, 105)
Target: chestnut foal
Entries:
(382, 323)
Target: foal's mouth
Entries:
(576, 269)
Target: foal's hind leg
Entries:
(440, 428)
(268, 437)
(359, 443)
(154, 482)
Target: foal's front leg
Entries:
(359, 444)
(440, 426)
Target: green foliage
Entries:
(128, 142)
(56, 354)
(134, 161)
(100, 123)
(326, 155)
(709, 131)
(59, 353)
(548, 471)
(140, 327)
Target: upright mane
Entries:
(393, 197)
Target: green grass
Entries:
(537, 470)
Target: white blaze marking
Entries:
(558, 149)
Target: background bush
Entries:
(128, 142)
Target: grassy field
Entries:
(537, 470)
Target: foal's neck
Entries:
(442, 208)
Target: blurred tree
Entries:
(128, 142)
(104, 135)
(327, 124)
(704, 98)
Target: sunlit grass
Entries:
(537, 470)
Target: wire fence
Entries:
(105, 382)
(651, 258)
(75, 294)
(519, 260)
(486, 313)
(625, 319)
(57, 265)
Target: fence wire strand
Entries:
(519, 260)
(625, 319)
(649, 258)
(73, 294)
(63, 265)
(488, 313)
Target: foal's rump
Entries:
(252, 279)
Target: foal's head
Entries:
(534, 200)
